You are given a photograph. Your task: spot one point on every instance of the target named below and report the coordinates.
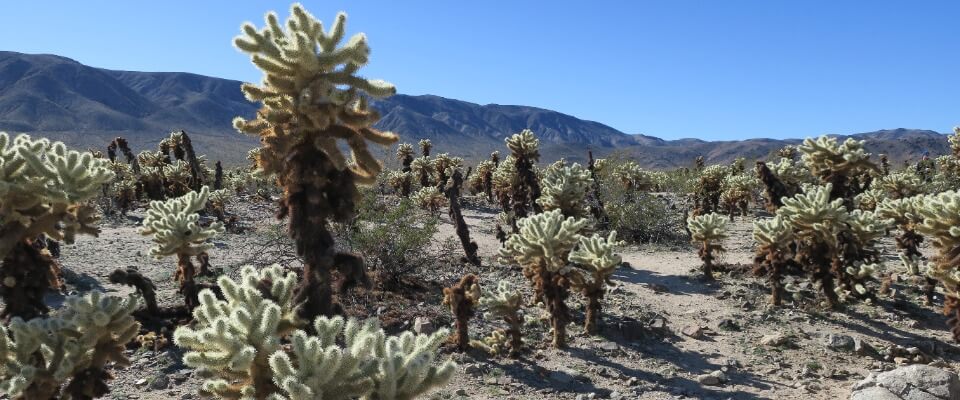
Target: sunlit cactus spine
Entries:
(708, 189)
(423, 168)
(401, 182)
(941, 219)
(405, 156)
(901, 184)
(905, 214)
(429, 198)
(312, 97)
(737, 192)
(425, 146)
(541, 247)
(707, 231)
(482, 179)
(45, 189)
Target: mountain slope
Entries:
(86, 107)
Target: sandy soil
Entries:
(642, 352)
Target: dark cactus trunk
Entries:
(463, 231)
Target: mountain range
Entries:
(86, 107)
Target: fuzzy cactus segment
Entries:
(176, 227)
(310, 79)
(239, 340)
(565, 188)
(524, 145)
(596, 256)
(814, 215)
(73, 345)
(545, 240)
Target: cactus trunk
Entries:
(553, 290)
(463, 231)
(25, 276)
(186, 272)
(594, 312)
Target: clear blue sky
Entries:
(708, 69)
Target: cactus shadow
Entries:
(692, 362)
(83, 282)
(868, 326)
(674, 284)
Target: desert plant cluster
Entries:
(295, 329)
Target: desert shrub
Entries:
(641, 217)
(395, 238)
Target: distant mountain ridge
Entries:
(86, 107)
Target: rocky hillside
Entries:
(86, 107)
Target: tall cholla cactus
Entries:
(773, 253)
(708, 231)
(941, 217)
(44, 189)
(312, 97)
(565, 188)
(844, 166)
(176, 230)
(858, 258)
(542, 246)
(443, 166)
(631, 176)
(595, 255)
(401, 182)
(525, 149)
(901, 184)
(505, 302)
(239, 340)
(75, 345)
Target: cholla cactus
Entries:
(312, 97)
(240, 341)
(423, 167)
(817, 222)
(905, 214)
(596, 256)
(775, 189)
(772, 258)
(504, 302)
(405, 155)
(845, 166)
(176, 230)
(542, 246)
(462, 298)
(869, 199)
(857, 254)
(425, 146)
(44, 189)
(708, 231)
(525, 151)
(954, 140)
(901, 184)
(482, 179)
(401, 182)
(565, 189)
(631, 176)
(737, 190)
(429, 198)
(452, 193)
(709, 188)
(941, 216)
(443, 166)
(75, 345)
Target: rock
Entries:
(140, 382)
(714, 378)
(609, 346)
(461, 392)
(160, 382)
(423, 326)
(728, 325)
(566, 376)
(914, 382)
(838, 342)
(658, 325)
(693, 331)
(861, 347)
(633, 381)
(774, 340)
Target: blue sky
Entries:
(709, 69)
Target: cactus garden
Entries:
(337, 258)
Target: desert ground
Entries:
(666, 333)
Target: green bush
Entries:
(394, 236)
(641, 217)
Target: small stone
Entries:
(460, 392)
(861, 347)
(140, 382)
(728, 325)
(632, 381)
(774, 340)
(609, 346)
(160, 382)
(423, 326)
(708, 380)
(693, 331)
(838, 342)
